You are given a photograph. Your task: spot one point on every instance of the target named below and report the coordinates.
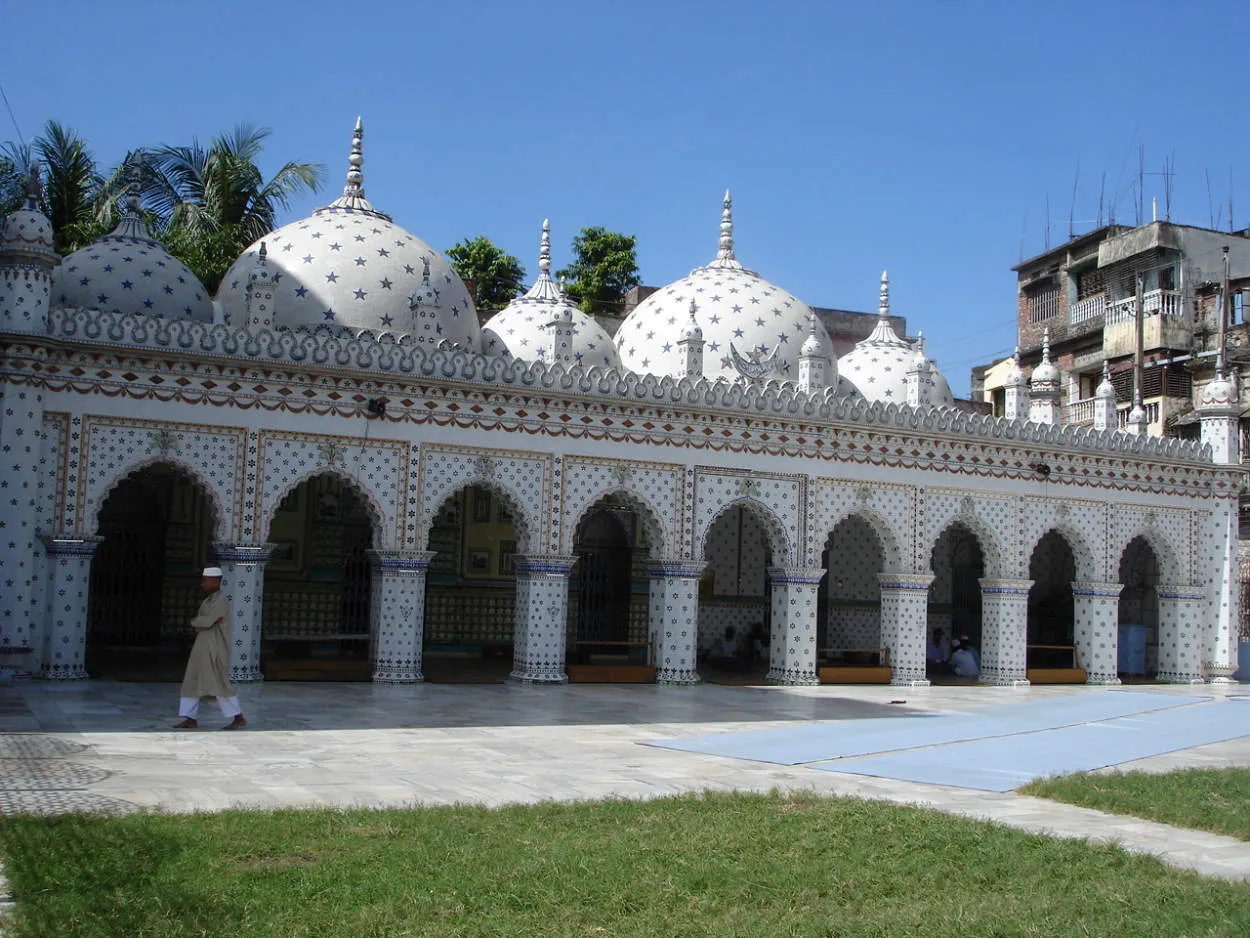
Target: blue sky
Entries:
(920, 137)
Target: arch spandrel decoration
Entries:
(50, 508)
(885, 508)
(654, 490)
(1080, 524)
(778, 502)
(1165, 530)
(984, 517)
(114, 448)
(377, 469)
(522, 481)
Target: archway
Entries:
(157, 528)
(849, 602)
(735, 595)
(1051, 639)
(1138, 646)
(470, 604)
(608, 628)
(958, 564)
(317, 584)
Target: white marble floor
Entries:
(99, 744)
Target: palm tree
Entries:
(203, 191)
(71, 185)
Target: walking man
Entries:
(208, 669)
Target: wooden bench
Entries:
(1056, 675)
(855, 674)
(610, 662)
(1054, 664)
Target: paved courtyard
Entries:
(102, 744)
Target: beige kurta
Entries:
(208, 669)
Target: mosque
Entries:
(396, 489)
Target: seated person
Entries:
(727, 652)
(964, 663)
(966, 642)
(938, 652)
(759, 643)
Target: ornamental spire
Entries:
(883, 305)
(725, 256)
(544, 288)
(544, 249)
(353, 196)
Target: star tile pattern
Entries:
(733, 306)
(130, 275)
(878, 366)
(356, 269)
(519, 330)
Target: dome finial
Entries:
(353, 196)
(883, 305)
(544, 249)
(33, 187)
(726, 252)
(1046, 346)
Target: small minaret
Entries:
(1045, 390)
(424, 305)
(919, 377)
(816, 370)
(1016, 391)
(560, 332)
(691, 346)
(27, 258)
(260, 293)
(1219, 404)
(1106, 416)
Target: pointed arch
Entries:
(778, 539)
(134, 469)
(890, 546)
(377, 517)
(991, 548)
(503, 494)
(1087, 566)
(651, 523)
(1170, 569)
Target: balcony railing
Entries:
(1089, 308)
(1156, 302)
(1081, 413)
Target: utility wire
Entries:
(9, 107)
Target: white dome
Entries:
(1045, 373)
(737, 310)
(351, 265)
(127, 272)
(26, 229)
(519, 330)
(878, 365)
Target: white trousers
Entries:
(189, 707)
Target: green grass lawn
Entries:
(716, 865)
(1216, 800)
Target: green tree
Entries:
(604, 269)
(71, 187)
(497, 276)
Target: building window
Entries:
(1043, 302)
(1167, 279)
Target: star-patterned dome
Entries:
(127, 272)
(745, 321)
(350, 264)
(878, 365)
(519, 330)
(26, 229)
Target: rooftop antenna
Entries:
(1231, 226)
(1072, 205)
(1168, 171)
(1024, 227)
(1141, 181)
(1102, 190)
(1210, 204)
(1047, 247)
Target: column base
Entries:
(69, 674)
(382, 677)
(1102, 681)
(788, 678)
(539, 678)
(1006, 679)
(678, 678)
(1177, 677)
(1222, 681)
(904, 681)
(249, 677)
(1220, 674)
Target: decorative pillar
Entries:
(397, 614)
(65, 629)
(542, 609)
(1096, 611)
(1004, 631)
(243, 582)
(1016, 391)
(1181, 628)
(792, 652)
(904, 624)
(1224, 613)
(1046, 388)
(673, 602)
(1106, 415)
(690, 345)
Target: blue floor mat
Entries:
(1005, 763)
(820, 741)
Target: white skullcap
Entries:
(212, 572)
